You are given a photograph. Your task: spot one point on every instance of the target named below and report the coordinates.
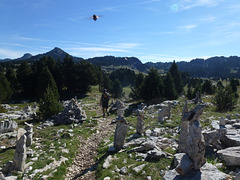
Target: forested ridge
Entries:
(216, 67)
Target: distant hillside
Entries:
(219, 67)
(56, 53)
(131, 62)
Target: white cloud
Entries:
(6, 53)
(188, 28)
(98, 49)
(89, 50)
(189, 4)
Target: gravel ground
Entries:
(84, 165)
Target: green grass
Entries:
(50, 136)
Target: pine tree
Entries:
(220, 84)
(169, 87)
(24, 78)
(234, 84)
(225, 99)
(207, 87)
(11, 77)
(117, 89)
(5, 89)
(49, 104)
(136, 88)
(190, 93)
(176, 75)
(45, 80)
(152, 87)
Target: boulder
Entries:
(232, 138)
(231, 156)
(184, 164)
(155, 155)
(206, 172)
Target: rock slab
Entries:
(231, 156)
(207, 172)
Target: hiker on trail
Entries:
(104, 102)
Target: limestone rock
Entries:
(164, 112)
(120, 133)
(140, 123)
(29, 134)
(185, 108)
(177, 159)
(207, 172)
(72, 113)
(20, 155)
(222, 122)
(155, 155)
(107, 162)
(139, 168)
(185, 164)
(8, 126)
(231, 156)
(120, 109)
(237, 176)
(232, 138)
(191, 138)
(20, 132)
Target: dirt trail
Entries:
(84, 165)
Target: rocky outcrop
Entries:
(8, 126)
(72, 113)
(206, 172)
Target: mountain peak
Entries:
(57, 51)
(26, 56)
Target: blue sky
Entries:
(151, 30)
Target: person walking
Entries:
(104, 102)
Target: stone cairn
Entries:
(24, 139)
(20, 155)
(72, 113)
(185, 108)
(120, 110)
(164, 112)
(198, 98)
(140, 123)
(191, 141)
(29, 134)
(121, 128)
(8, 126)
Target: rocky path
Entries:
(84, 165)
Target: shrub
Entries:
(225, 99)
(49, 104)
